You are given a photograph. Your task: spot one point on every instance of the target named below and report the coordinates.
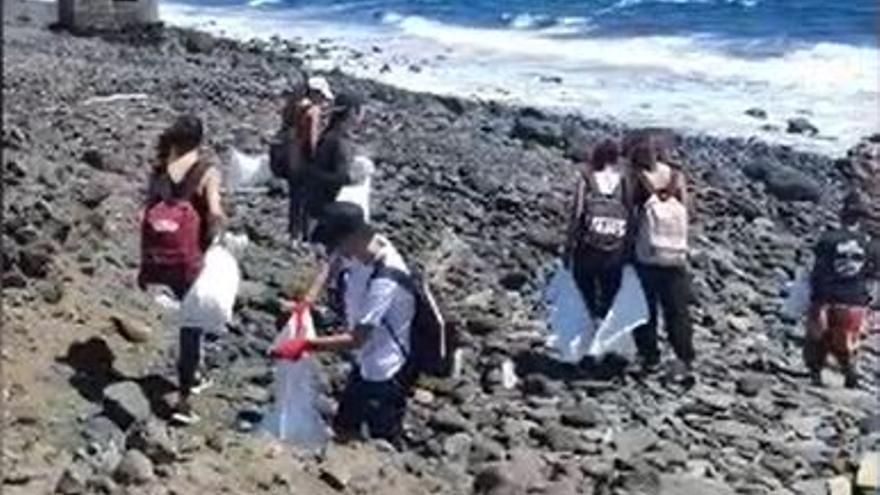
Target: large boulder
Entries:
(783, 182)
(800, 125)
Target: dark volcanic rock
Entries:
(758, 113)
(800, 125)
(542, 132)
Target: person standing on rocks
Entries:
(379, 313)
(839, 295)
(661, 247)
(293, 148)
(597, 238)
(184, 215)
(335, 153)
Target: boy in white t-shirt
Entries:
(379, 313)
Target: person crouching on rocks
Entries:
(839, 295)
(293, 148)
(597, 239)
(335, 153)
(379, 313)
(661, 250)
(183, 215)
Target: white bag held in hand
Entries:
(248, 171)
(295, 417)
(359, 192)
(628, 312)
(571, 324)
(208, 304)
(799, 292)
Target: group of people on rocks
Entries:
(631, 206)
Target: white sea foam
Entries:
(687, 82)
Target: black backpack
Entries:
(430, 336)
(280, 150)
(604, 217)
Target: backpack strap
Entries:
(188, 187)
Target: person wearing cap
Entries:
(335, 152)
(379, 314)
(293, 147)
(839, 295)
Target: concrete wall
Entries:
(106, 15)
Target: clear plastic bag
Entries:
(628, 311)
(247, 171)
(797, 302)
(295, 417)
(571, 325)
(359, 192)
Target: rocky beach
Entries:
(477, 191)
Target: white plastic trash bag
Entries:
(571, 325)
(248, 171)
(628, 311)
(797, 302)
(295, 417)
(208, 304)
(359, 192)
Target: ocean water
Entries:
(696, 65)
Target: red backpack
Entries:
(171, 234)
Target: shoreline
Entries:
(553, 90)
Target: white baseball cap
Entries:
(320, 85)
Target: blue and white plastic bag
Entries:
(571, 325)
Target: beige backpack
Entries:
(663, 231)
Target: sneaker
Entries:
(203, 382)
(185, 416)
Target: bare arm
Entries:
(211, 189)
(313, 128)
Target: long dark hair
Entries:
(291, 105)
(605, 153)
(184, 135)
(643, 155)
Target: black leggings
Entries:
(598, 280)
(666, 289)
(190, 357)
(297, 213)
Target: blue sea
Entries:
(696, 65)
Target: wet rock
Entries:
(198, 42)
(758, 113)
(125, 403)
(135, 469)
(542, 132)
(800, 125)
(131, 330)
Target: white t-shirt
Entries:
(385, 306)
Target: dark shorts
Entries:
(380, 406)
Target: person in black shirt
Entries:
(839, 296)
(336, 150)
